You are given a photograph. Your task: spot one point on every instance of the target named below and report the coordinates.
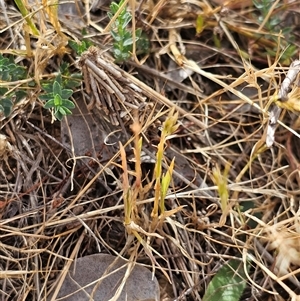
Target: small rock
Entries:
(87, 270)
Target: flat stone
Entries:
(84, 274)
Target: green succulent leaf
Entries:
(62, 110)
(58, 115)
(110, 15)
(128, 42)
(68, 104)
(114, 7)
(57, 100)
(126, 19)
(46, 96)
(66, 93)
(65, 110)
(115, 36)
(49, 104)
(57, 88)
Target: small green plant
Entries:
(123, 38)
(264, 7)
(162, 181)
(11, 73)
(273, 26)
(81, 47)
(137, 191)
(70, 79)
(59, 90)
(57, 98)
(14, 87)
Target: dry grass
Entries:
(229, 195)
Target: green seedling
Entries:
(272, 24)
(70, 80)
(162, 181)
(11, 89)
(80, 47)
(57, 99)
(122, 36)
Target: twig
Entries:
(282, 96)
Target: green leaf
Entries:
(49, 104)
(47, 86)
(57, 100)
(6, 106)
(58, 78)
(128, 42)
(123, 40)
(62, 110)
(66, 93)
(228, 284)
(117, 51)
(3, 61)
(258, 4)
(274, 22)
(20, 94)
(114, 7)
(68, 104)
(58, 115)
(3, 90)
(64, 67)
(70, 80)
(56, 88)
(110, 15)
(115, 36)
(5, 75)
(79, 48)
(9, 71)
(75, 46)
(73, 81)
(138, 33)
(126, 19)
(17, 72)
(46, 96)
(65, 111)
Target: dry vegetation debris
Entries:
(209, 77)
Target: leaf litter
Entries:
(230, 195)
